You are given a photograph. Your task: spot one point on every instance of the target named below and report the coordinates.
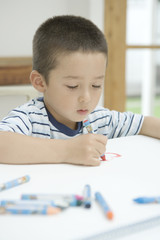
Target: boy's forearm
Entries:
(151, 127)
(19, 149)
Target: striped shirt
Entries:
(33, 119)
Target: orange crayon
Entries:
(103, 204)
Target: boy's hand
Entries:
(85, 149)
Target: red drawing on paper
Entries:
(111, 156)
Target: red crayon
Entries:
(90, 130)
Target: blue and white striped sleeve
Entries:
(125, 124)
(16, 121)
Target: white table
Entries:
(135, 173)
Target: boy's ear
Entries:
(37, 81)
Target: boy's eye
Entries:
(96, 86)
(71, 87)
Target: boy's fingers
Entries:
(101, 138)
(96, 160)
(100, 148)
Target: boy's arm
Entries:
(16, 148)
(151, 127)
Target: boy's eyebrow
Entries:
(100, 77)
(72, 77)
(78, 77)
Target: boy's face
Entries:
(75, 86)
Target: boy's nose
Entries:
(85, 97)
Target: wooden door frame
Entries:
(115, 32)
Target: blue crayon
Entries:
(145, 200)
(104, 205)
(59, 199)
(32, 203)
(87, 196)
(14, 183)
(27, 210)
(90, 130)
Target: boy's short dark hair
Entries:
(61, 35)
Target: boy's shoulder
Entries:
(35, 108)
(34, 105)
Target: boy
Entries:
(69, 63)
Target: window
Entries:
(132, 28)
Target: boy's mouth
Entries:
(82, 111)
